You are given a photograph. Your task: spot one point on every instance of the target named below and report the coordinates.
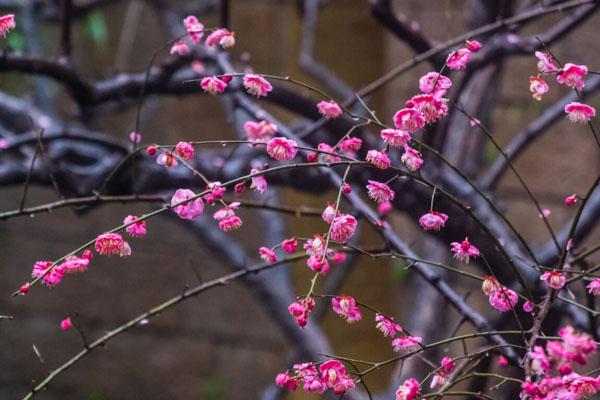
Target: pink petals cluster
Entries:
(501, 298)
(330, 109)
(300, 310)
(579, 112)
(330, 375)
(464, 250)
(256, 85)
(460, 58)
(260, 131)
(380, 192)
(345, 307)
(222, 37)
(570, 75)
(409, 390)
(552, 368)
(433, 221)
(555, 279)
(343, 228)
(282, 149)
(108, 244)
(52, 275)
(185, 209)
(7, 23)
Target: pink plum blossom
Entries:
(345, 306)
(188, 210)
(380, 192)
(256, 85)
(282, 149)
(329, 109)
(433, 221)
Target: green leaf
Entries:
(96, 27)
(16, 40)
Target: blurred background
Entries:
(223, 344)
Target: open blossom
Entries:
(180, 48)
(282, 149)
(52, 278)
(315, 246)
(538, 87)
(458, 59)
(112, 243)
(503, 299)
(572, 76)
(221, 37)
(351, 144)
(73, 264)
(378, 158)
(579, 112)
(409, 390)
(594, 287)
(230, 223)
(406, 343)
(267, 255)
(387, 326)
(411, 158)
(554, 279)
(7, 22)
(66, 324)
(301, 309)
(213, 85)
(380, 192)
(259, 131)
(489, 284)
(227, 211)
(435, 83)
(194, 28)
(409, 119)
(333, 374)
(329, 109)
(433, 221)
(431, 107)
(185, 150)
(439, 379)
(259, 182)
(473, 45)
(256, 85)
(343, 227)
(575, 346)
(289, 245)
(190, 209)
(329, 213)
(137, 229)
(328, 153)
(345, 306)
(546, 62)
(395, 137)
(464, 250)
(166, 159)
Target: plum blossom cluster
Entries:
(424, 108)
(329, 375)
(195, 31)
(552, 368)
(570, 75)
(500, 297)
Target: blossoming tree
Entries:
(542, 335)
